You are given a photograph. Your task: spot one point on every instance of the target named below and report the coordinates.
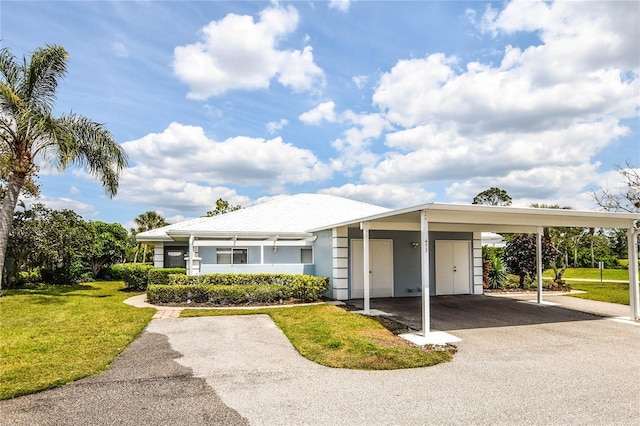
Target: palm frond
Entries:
(85, 143)
(41, 77)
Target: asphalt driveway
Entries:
(584, 370)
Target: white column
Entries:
(367, 270)
(191, 256)
(634, 297)
(539, 262)
(340, 254)
(262, 254)
(424, 266)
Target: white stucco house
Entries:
(366, 250)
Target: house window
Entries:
(306, 255)
(174, 257)
(232, 256)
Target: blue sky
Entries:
(393, 103)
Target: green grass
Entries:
(334, 337)
(592, 273)
(603, 292)
(52, 335)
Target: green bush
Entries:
(218, 294)
(224, 289)
(136, 275)
(161, 275)
(512, 281)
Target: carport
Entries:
(437, 217)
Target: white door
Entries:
(381, 268)
(453, 267)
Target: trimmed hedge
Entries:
(136, 275)
(218, 294)
(229, 289)
(161, 275)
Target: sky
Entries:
(390, 102)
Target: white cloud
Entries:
(445, 154)
(354, 146)
(274, 126)
(323, 112)
(388, 195)
(119, 49)
(533, 123)
(183, 167)
(239, 53)
(360, 80)
(341, 5)
(61, 203)
(74, 190)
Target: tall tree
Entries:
(520, 254)
(222, 207)
(28, 130)
(146, 222)
(493, 197)
(107, 245)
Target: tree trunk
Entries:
(135, 256)
(144, 254)
(16, 180)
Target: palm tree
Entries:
(29, 131)
(146, 222)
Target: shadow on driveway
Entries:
(449, 313)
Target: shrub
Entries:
(161, 275)
(136, 275)
(512, 281)
(218, 294)
(497, 275)
(224, 289)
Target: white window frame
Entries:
(231, 251)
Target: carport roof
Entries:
(466, 217)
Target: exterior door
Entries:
(381, 268)
(453, 267)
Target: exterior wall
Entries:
(288, 268)
(158, 255)
(407, 279)
(406, 260)
(323, 257)
(286, 260)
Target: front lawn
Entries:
(592, 274)
(52, 335)
(334, 337)
(604, 292)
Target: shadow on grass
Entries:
(50, 290)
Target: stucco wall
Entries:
(406, 260)
(323, 258)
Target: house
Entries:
(366, 250)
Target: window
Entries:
(174, 257)
(306, 255)
(231, 256)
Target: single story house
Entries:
(366, 250)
